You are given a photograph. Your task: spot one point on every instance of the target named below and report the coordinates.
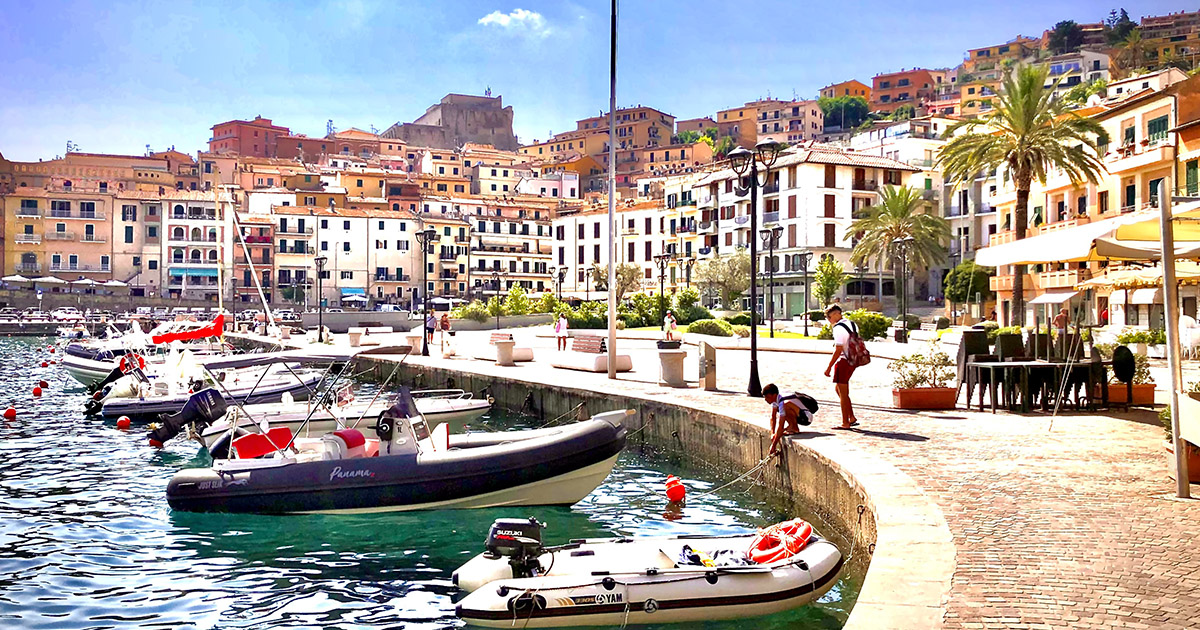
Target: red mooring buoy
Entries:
(43, 384)
(675, 489)
(10, 414)
(37, 391)
(123, 423)
(44, 364)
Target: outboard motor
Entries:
(115, 374)
(519, 540)
(202, 409)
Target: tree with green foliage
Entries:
(711, 133)
(495, 306)
(1118, 26)
(904, 112)
(844, 112)
(728, 276)
(829, 278)
(967, 279)
(548, 303)
(687, 137)
(1132, 55)
(902, 214)
(1079, 94)
(1067, 36)
(517, 301)
(1030, 133)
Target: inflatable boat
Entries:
(619, 581)
(402, 466)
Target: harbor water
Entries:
(87, 539)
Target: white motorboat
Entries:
(651, 580)
(92, 362)
(313, 419)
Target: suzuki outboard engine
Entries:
(519, 540)
(202, 409)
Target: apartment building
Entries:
(257, 138)
(907, 87)
(1171, 36)
(253, 260)
(698, 125)
(983, 71)
(196, 237)
(789, 121)
(852, 87)
(1071, 69)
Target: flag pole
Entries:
(1171, 301)
(612, 195)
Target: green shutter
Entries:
(1192, 183)
(1128, 135)
(928, 184)
(1130, 196)
(1157, 129)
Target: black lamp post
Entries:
(688, 263)
(770, 237)
(587, 283)
(663, 261)
(558, 275)
(320, 261)
(902, 245)
(861, 268)
(743, 162)
(233, 312)
(496, 275)
(805, 258)
(425, 237)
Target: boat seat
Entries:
(345, 444)
(259, 444)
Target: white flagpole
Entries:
(1171, 300)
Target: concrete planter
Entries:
(1193, 461)
(1143, 394)
(1156, 351)
(925, 398)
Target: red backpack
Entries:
(855, 350)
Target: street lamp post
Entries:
(862, 270)
(425, 237)
(902, 245)
(587, 283)
(320, 261)
(233, 311)
(688, 263)
(496, 284)
(805, 258)
(663, 261)
(770, 237)
(743, 162)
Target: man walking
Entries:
(839, 365)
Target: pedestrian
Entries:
(444, 326)
(992, 316)
(787, 414)
(671, 325)
(430, 326)
(560, 331)
(1104, 317)
(1060, 323)
(839, 365)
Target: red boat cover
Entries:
(214, 329)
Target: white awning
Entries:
(1146, 296)
(1054, 297)
(1063, 245)
(1117, 297)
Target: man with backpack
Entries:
(849, 352)
(788, 412)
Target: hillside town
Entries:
(268, 213)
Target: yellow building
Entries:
(984, 69)
(847, 88)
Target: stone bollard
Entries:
(504, 352)
(415, 341)
(355, 338)
(671, 372)
(708, 367)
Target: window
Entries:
(596, 229)
(151, 231)
(1156, 129)
(345, 225)
(830, 235)
(649, 251)
(1103, 201)
(128, 233)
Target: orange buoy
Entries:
(37, 391)
(676, 491)
(123, 422)
(43, 384)
(10, 414)
(155, 443)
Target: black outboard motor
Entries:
(519, 540)
(115, 374)
(202, 409)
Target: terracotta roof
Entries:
(261, 219)
(820, 155)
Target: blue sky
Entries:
(115, 76)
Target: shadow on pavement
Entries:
(891, 435)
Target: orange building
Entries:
(258, 137)
(847, 88)
(907, 87)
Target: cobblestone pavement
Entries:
(1064, 522)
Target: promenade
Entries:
(1054, 522)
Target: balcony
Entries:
(29, 212)
(865, 185)
(704, 251)
(770, 189)
(447, 257)
(448, 275)
(60, 236)
(27, 239)
(707, 225)
(1000, 238)
(1134, 156)
(297, 249)
(685, 229)
(985, 208)
(929, 195)
(742, 220)
(1062, 279)
(384, 277)
(292, 229)
(78, 267)
(195, 216)
(29, 268)
(1005, 283)
(706, 201)
(921, 163)
(771, 217)
(194, 239)
(66, 214)
(92, 238)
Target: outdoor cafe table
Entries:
(1023, 369)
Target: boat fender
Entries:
(502, 591)
(608, 583)
(710, 577)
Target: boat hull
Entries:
(152, 407)
(550, 469)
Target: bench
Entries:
(589, 353)
(927, 332)
(488, 352)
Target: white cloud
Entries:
(518, 22)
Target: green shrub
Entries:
(1164, 416)
(1158, 336)
(827, 332)
(714, 327)
(943, 322)
(684, 300)
(816, 316)
(646, 308)
(912, 322)
(741, 331)
(1105, 349)
(692, 313)
(517, 301)
(1131, 336)
(871, 325)
(917, 370)
(475, 311)
(741, 319)
(1008, 330)
(495, 306)
(547, 304)
(590, 315)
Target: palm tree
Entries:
(1131, 54)
(901, 216)
(1029, 133)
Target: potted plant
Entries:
(1137, 340)
(1157, 346)
(1143, 384)
(1193, 451)
(922, 381)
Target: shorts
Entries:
(842, 370)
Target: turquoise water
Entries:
(87, 539)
